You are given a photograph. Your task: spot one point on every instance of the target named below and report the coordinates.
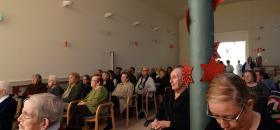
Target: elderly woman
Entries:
(74, 89)
(88, 105)
(173, 113)
(122, 91)
(257, 91)
(35, 87)
(41, 112)
(231, 108)
(53, 87)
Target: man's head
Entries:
(228, 62)
(145, 71)
(40, 112)
(4, 88)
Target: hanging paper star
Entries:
(216, 54)
(211, 70)
(215, 3)
(187, 75)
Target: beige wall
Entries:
(33, 34)
(240, 20)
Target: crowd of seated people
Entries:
(105, 86)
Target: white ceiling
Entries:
(174, 8)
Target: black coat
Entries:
(7, 113)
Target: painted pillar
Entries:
(201, 45)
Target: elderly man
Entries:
(144, 87)
(41, 112)
(7, 107)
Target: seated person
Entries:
(122, 91)
(257, 91)
(231, 108)
(173, 112)
(36, 86)
(86, 85)
(41, 112)
(8, 107)
(88, 105)
(162, 82)
(74, 89)
(53, 87)
(144, 87)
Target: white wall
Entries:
(239, 20)
(33, 33)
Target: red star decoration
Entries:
(216, 54)
(215, 3)
(187, 75)
(211, 70)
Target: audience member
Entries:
(131, 75)
(88, 106)
(257, 91)
(144, 87)
(264, 78)
(173, 112)
(249, 65)
(86, 85)
(162, 83)
(118, 74)
(231, 108)
(36, 86)
(41, 112)
(107, 82)
(7, 107)
(122, 91)
(74, 89)
(239, 69)
(53, 87)
(229, 67)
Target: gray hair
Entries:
(48, 106)
(5, 85)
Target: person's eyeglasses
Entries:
(226, 118)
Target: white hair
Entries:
(52, 77)
(48, 106)
(5, 85)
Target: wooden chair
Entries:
(147, 102)
(18, 111)
(98, 115)
(67, 114)
(129, 99)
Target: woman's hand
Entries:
(157, 125)
(81, 103)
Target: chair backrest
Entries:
(102, 106)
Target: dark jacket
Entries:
(7, 113)
(75, 93)
(176, 111)
(56, 90)
(34, 89)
